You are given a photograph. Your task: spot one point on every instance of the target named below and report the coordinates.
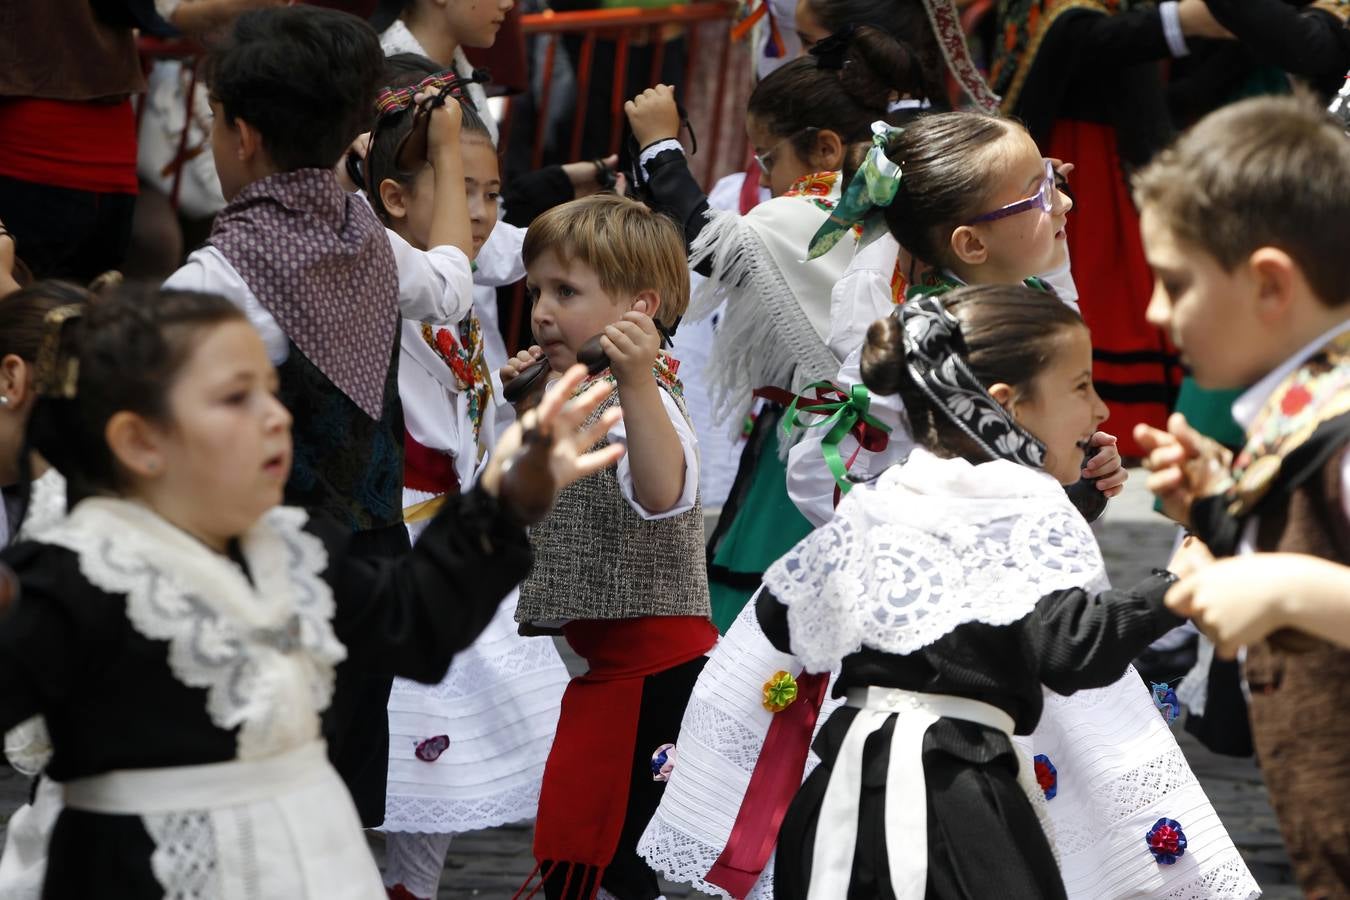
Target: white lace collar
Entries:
(932, 544)
(264, 651)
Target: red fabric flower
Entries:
(1047, 776)
(431, 749)
(1294, 400)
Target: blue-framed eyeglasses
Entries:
(1043, 199)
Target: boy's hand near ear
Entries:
(631, 345)
(1186, 466)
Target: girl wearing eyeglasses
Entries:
(771, 332)
(974, 203)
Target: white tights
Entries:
(415, 860)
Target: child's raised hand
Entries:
(1186, 466)
(522, 360)
(548, 448)
(443, 129)
(631, 345)
(1106, 470)
(653, 115)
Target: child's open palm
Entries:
(631, 345)
(549, 448)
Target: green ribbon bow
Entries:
(842, 413)
(874, 184)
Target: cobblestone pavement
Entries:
(492, 864)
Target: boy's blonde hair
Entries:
(628, 246)
(1264, 172)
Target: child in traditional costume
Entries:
(958, 595)
(1240, 224)
(325, 285)
(970, 200)
(41, 492)
(179, 630)
(620, 567)
(772, 332)
(467, 753)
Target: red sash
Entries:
(585, 793)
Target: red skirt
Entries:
(1135, 367)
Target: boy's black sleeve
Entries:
(411, 616)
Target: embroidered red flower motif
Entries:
(431, 749)
(1294, 400)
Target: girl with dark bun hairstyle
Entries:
(962, 600)
(179, 629)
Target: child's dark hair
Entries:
(303, 76)
(387, 132)
(23, 315)
(903, 20)
(846, 96)
(1009, 334)
(127, 348)
(1264, 172)
(945, 161)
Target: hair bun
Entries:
(883, 357)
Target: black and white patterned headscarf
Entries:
(933, 346)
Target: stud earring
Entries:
(4, 400)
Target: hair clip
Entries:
(873, 185)
(829, 52)
(53, 376)
(412, 147)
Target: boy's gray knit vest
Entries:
(596, 558)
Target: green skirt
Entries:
(763, 524)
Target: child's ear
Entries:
(828, 153)
(647, 302)
(134, 444)
(1004, 395)
(1277, 278)
(394, 199)
(968, 246)
(14, 380)
(250, 141)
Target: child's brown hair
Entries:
(628, 246)
(1264, 172)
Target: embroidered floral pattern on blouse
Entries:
(465, 359)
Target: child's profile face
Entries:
(1210, 314)
(1062, 408)
(568, 307)
(225, 148)
(225, 453)
(781, 166)
(1028, 243)
(483, 181)
(475, 23)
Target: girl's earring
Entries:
(4, 400)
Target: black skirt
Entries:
(984, 839)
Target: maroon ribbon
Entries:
(777, 776)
